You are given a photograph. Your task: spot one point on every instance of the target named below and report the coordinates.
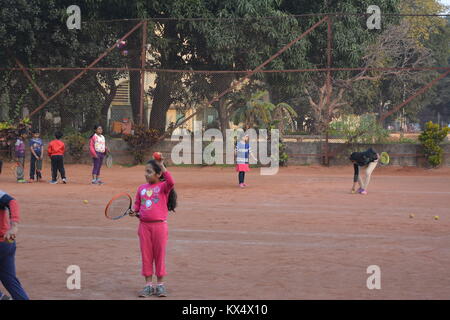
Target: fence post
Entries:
(143, 60)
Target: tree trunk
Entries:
(134, 61)
(222, 82)
(135, 87)
(223, 116)
(161, 102)
(66, 119)
(105, 108)
(165, 82)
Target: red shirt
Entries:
(56, 148)
(5, 218)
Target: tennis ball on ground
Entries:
(436, 217)
(85, 201)
(157, 156)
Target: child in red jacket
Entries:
(9, 220)
(55, 151)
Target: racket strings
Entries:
(118, 207)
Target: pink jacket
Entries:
(92, 146)
(151, 199)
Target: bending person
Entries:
(368, 159)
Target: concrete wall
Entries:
(401, 154)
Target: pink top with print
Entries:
(151, 199)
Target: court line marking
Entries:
(238, 242)
(238, 232)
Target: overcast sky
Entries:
(446, 2)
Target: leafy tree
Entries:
(431, 138)
(422, 27)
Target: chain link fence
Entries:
(317, 78)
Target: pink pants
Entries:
(153, 239)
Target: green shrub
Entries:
(141, 141)
(431, 138)
(283, 156)
(75, 143)
(359, 129)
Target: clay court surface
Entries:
(297, 235)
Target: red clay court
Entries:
(297, 235)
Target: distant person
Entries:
(98, 150)
(19, 149)
(368, 159)
(36, 147)
(9, 220)
(55, 150)
(243, 153)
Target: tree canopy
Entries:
(226, 35)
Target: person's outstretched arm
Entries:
(167, 176)
(355, 176)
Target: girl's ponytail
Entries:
(172, 198)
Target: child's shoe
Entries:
(160, 291)
(148, 291)
(241, 185)
(364, 192)
(53, 182)
(64, 180)
(4, 297)
(22, 181)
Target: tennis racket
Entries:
(109, 160)
(384, 158)
(119, 206)
(17, 169)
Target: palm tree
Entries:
(283, 115)
(255, 113)
(260, 113)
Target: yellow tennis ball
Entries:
(436, 217)
(85, 201)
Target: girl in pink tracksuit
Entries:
(152, 203)
(98, 150)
